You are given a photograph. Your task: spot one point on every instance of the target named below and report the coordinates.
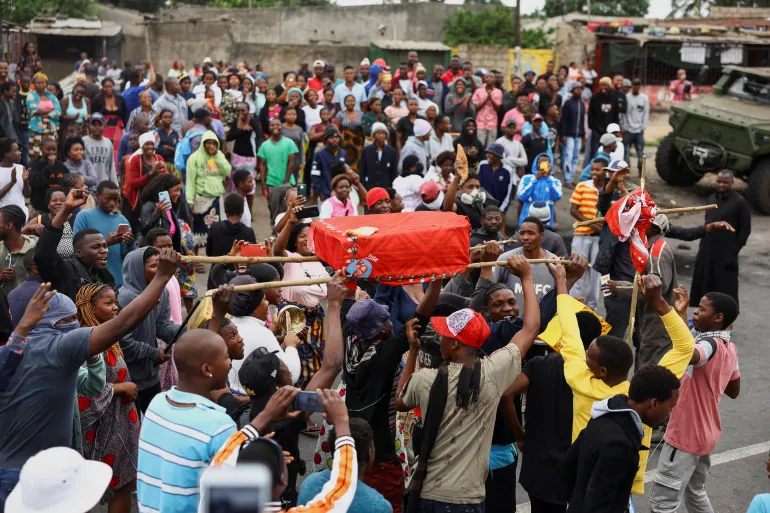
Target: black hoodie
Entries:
(222, 234)
(603, 461)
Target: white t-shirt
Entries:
(312, 116)
(255, 335)
(16, 195)
(246, 217)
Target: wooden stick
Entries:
(503, 263)
(500, 242)
(635, 291)
(678, 210)
(247, 260)
(318, 281)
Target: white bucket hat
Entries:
(57, 480)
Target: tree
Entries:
(23, 12)
(635, 8)
(493, 26)
(700, 7)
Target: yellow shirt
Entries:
(587, 389)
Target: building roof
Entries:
(764, 72)
(741, 37)
(64, 26)
(423, 46)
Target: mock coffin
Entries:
(396, 249)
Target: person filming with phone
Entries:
(114, 227)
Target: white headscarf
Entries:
(144, 139)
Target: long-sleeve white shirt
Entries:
(514, 156)
(255, 335)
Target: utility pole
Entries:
(518, 22)
(2, 32)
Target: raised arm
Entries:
(279, 248)
(451, 192)
(677, 359)
(518, 266)
(333, 352)
(104, 335)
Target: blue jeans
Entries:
(638, 141)
(569, 160)
(8, 481)
(24, 147)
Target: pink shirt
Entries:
(308, 295)
(695, 425)
(486, 116)
(519, 117)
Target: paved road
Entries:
(738, 471)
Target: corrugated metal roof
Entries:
(425, 46)
(74, 27)
(720, 38)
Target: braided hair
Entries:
(86, 316)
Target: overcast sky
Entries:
(658, 8)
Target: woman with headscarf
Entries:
(207, 169)
(143, 165)
(293, 242)
(294, 99)
(374, 77)
(249, 311)
(109, 420)
(248, 90)
(458, 105)
(474, 150)
(44, 114)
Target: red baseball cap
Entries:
(466, 326)
(429, 191)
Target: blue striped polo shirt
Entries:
(175, 447)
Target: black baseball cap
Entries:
(258, 372)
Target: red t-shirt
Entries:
(315, 84)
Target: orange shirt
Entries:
(586, 197)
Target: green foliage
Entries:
(17, 11)
(700, 7)
(598, 7)
(495, 26)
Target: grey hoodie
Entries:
(603, 407)
(140, 348)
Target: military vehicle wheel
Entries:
(759, 186)
(671, 166)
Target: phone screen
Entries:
(233, 499)
(308, 401)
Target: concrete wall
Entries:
(486, 56)
(574, 44)
(134, 45)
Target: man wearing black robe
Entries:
(716, 266)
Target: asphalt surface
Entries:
(738, 470)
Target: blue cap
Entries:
(97, 116)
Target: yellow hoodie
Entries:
(587, 389)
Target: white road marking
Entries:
(717, 459)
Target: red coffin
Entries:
(406, 248)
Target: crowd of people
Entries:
(442, 384)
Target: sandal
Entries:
(311, 430)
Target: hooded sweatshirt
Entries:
(587, 389)
(601, 464)
(140, 348)
(206, 173)
(531, 189)
(469, 141)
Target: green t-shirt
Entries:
(276, 155)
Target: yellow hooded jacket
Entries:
(587, 389)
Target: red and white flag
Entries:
(629, 218)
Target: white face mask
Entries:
(476, 196)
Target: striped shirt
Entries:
(586, 197)
(337, 494)
(175, 446)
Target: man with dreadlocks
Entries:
(110, 420)
(13, 247)
(459, 402)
